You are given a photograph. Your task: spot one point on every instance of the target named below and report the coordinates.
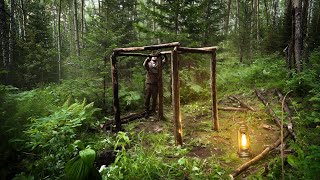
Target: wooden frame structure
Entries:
(175, 81)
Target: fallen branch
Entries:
(235, 99)
(125, 119)
(258, 157)
(232, 109)
(286, 109)
(272, 113)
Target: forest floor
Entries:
(202, 142)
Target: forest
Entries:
(237, 84)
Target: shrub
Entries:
(50, 136)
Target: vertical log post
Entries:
(115, 91)
(213, 64)
(160, 90)
(176, 97)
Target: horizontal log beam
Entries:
(205, 50)
(134, 54)
(151, 47)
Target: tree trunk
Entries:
(53, 12)
(23, 29)
(82, 23)
(12, 32)
(75, 6)
(275, 13)
(267, 11)
(227, 17)
(59, 42)
(71, 29)
(257, 16)
(305, 29)
(4, 39)
(298, 35)
(237, 15)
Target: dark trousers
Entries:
(151, 91)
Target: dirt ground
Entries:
(223, 145)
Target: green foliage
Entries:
(306, 162)
(50, 136)
(82, 166)
(139, 162)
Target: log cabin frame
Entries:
(177, 49)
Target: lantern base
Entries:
(244, 154)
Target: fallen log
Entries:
(272, 113)
(258, 157)
(125, 119)
(242, 104)
(232, 109)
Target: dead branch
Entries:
(286, 104)
(235, 99)
(232, 109)
(286, 109)
(258, 157)
(272, 113)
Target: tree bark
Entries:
(267, 11)
(176, 97)
(275, 13)
(237, 15)
(59, 41)
(23, 29)
(257, 16)
(82, 23)
(298, 35)
(4, 38)
(213, 78)
(12, 33)
(227, 17)
(75, 6)
(305, 31)
(115, 91)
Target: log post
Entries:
(115, 91)
(160, 90)
(176, 97)
(213, 65)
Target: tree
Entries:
(4, 38)
(297, 5)
(59, 40)
(75, 6)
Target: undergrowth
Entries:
(40, 126)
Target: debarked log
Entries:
(151, 47)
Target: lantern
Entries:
(243, 141)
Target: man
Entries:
(151, 64)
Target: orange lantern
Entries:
(243, 141)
